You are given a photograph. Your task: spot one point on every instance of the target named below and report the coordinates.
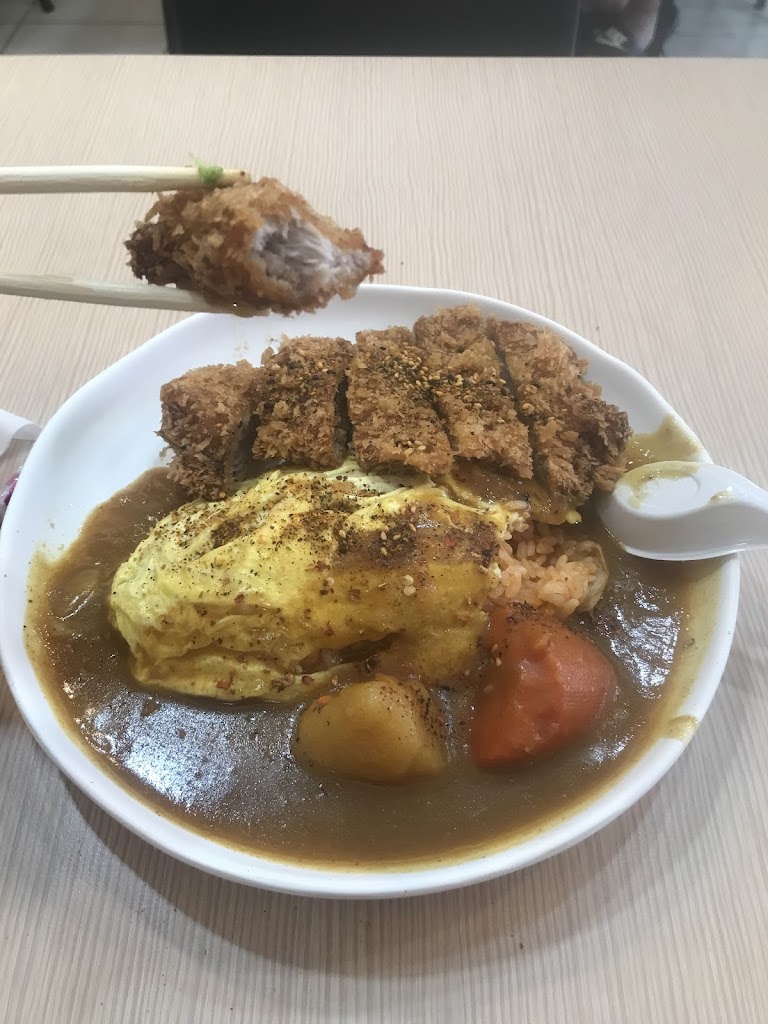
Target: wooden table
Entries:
(626, 199)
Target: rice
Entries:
(519, 514)
(545, 568)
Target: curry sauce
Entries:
(227, 770)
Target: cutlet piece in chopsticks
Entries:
(393, 422)
(256, 245)
(578, 439)
(469, 390)
(207, 422)
(299, 407)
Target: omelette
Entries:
(305, 578)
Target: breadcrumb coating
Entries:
(253, 245)
(206, 421)
(507, 394)
(469, 391)
(394, 423)
(578, 439)
(299, 402)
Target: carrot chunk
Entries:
(543, 688)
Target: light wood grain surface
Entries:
(626, 199)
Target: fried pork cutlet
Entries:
(253, 244)
(299, 402)
(578, 439)
(469, 392)
(206, 420)
(393, 421)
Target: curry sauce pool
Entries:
(227, 771)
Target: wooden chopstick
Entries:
(25, 180)
(107, 293)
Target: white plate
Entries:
(103, 438)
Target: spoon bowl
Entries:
(685, 511)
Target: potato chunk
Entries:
(380, 731)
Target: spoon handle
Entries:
(739, 488)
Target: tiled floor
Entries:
(708, 28)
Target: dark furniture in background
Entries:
(389, 27)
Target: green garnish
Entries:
(209, 174)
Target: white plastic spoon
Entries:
(685, 511)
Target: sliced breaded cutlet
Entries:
(299, 402)
(469, 391)
(207, 422)
(578, 439)
(393, 421)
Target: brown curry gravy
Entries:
(227, 771)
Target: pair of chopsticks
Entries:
(30, 180)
